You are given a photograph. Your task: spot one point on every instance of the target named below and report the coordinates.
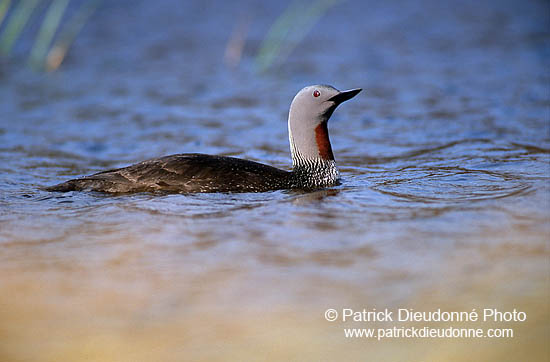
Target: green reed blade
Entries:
(47, 31)
(4, 6)
(68, 34)
(16, 23)
(289, 30)
(277, 33)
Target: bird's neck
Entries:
(312, 157)
(314, 173)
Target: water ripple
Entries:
(451, 184)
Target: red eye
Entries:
(316, 94)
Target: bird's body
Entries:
(313, 161)
(190, 172)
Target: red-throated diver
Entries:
(313, 163)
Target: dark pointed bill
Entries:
(345, 95)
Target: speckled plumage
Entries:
(313, 163)
(185, 173)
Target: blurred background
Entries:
(445, 162)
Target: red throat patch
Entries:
(323, 142)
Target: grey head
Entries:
(310, 145)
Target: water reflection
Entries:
(443, 202)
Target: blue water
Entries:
(444, 202)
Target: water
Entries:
(444, 201)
